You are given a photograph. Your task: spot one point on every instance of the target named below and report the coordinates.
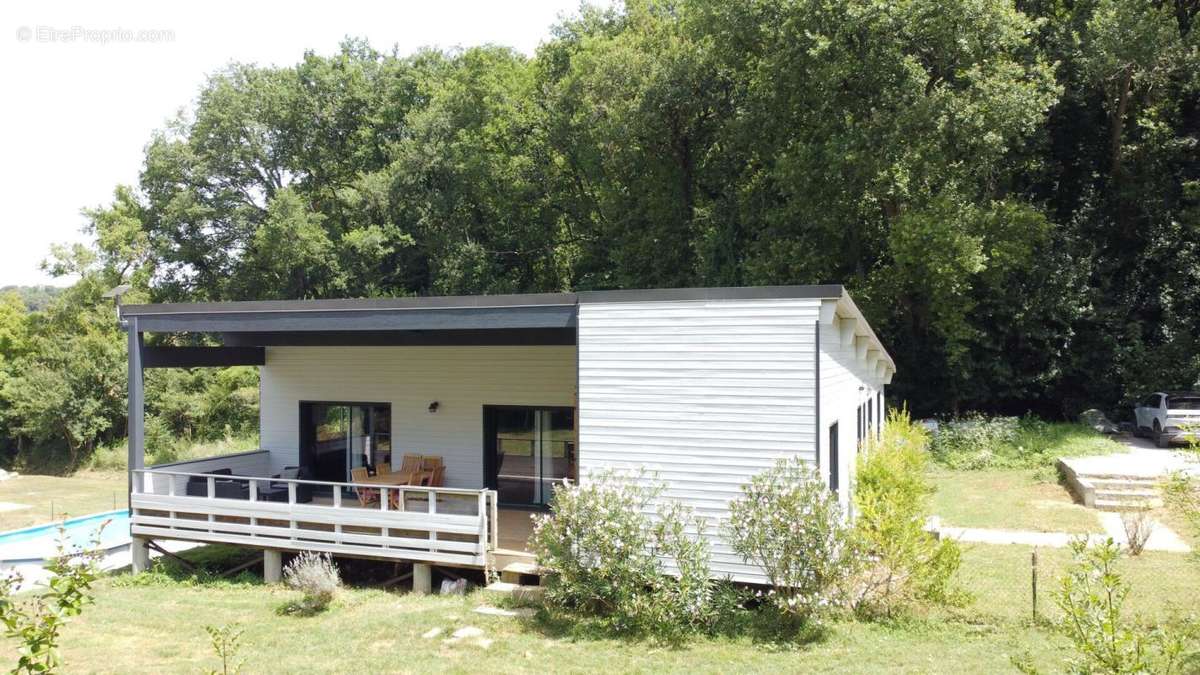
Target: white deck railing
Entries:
(438, 525)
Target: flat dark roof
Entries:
(485, 301)
(532, 311)
(531, 318)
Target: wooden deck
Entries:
(435, 525)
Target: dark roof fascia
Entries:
(354, 304)
(829, 291)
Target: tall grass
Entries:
(976, 442)
(115, 457)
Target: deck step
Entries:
(519, 571)
(503, 557)
(520, 593)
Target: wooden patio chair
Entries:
(366, 496)
(432, 472)
(409, 472)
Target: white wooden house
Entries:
(698, 389)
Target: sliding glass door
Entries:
(527, 451)
(338, 437)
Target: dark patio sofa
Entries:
(239, 487)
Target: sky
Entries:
(83, 85)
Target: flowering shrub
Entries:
(606, 557)
(901, 561)
(314, 575)
(790, 524)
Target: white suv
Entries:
(1168, 417)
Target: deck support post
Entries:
(272, 566)
(422, 579)
(137, 403)
(140, 554)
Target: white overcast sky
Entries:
(75, 114)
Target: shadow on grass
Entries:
(205, 566)
(761, 626)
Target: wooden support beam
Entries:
(140, 554)
(137, 406)
(861, 344)
(202, 357)
(422, 579)
(272, 566)
(828, 312)
(846, 330)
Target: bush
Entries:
(975, 441)
(36, 624)
(790, 524)
(1138, 527)
(1091, 596)
(903, 562)
(314, 575)
(605, 557)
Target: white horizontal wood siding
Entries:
(461, 379)
(702, 395)
(845, 385)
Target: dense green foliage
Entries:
(604, 558)
(35, 621)
(904, 563)
(1091, 596)
(1009, 188)
(63, 382)
(976, 441)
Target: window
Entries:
(1183, 402)
(858, 428)
(834, 464)
(879, 407)
(870, 415)
(337, 437)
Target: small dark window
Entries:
(870, 415)
(833, 457)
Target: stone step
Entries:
(1103, 478)
(1116, 505)
(1127, 495)
(520, 593)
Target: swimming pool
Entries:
(41, 541)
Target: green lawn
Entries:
(1010, 499)
(85, 492)
(161, 629)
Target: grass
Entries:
(53, 497)
(162, 623)
(1009, 499)
(999, 577)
